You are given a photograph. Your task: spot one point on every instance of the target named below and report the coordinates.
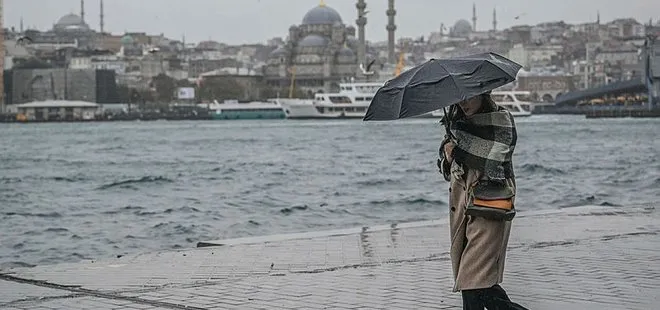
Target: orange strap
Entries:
(504, 204)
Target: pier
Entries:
(573, 258)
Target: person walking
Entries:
(476, 152)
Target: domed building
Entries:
(71, 22)
(321, 52)
(130, 47)
(74, 27)
(461, 29)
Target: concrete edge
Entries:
(579, 210)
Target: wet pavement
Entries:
(574, 258)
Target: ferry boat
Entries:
(232, 109)
(351, 101)
(517, 102)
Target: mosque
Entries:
(69, 29)
(319, 53)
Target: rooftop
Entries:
(58, 104)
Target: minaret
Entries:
(597, 17)
(361, 21)
(102, 17)
(474, 17)
(494, 19)
(82, 10)
(21, 25)
(391, 27)
(2, 58)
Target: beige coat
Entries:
(478, 245)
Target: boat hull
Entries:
(256, 114)
(307, 110)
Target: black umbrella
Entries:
(439, 83)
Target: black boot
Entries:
(492, 298)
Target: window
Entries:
(339, 99)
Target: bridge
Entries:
(649, 83)
(613, 89)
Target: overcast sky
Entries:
(251, 21)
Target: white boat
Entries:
(517, 102)
(351, 101)
(232, 109)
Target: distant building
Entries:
(544, 32)
(532, 55)
(100, 62)
(69, 31)
(545, 85)
(519, 34)
(321, 52)
(90, 85)
(626, 28)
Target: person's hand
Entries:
(449, 148)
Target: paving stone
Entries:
(12, 291)
(579, 258)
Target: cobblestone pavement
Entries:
(576, 258)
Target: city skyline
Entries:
(219, 19)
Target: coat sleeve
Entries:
(443, 164)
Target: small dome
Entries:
(322, 15)
(278, 52)
(346, 52)
(352, 42)
(350, 30)
(127, 40)
(313, 40)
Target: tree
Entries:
(184, 83)
(220, 89)
(124, 93)
(165, 87)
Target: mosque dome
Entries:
(462, 28)
(71, 21)
(352, 41)
(322, 15)
(313, 40)
(345, 51)
(278, 52)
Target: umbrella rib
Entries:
(501, 70)
(456, 85)
(403, 94)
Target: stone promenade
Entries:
(575, 258)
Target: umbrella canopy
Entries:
(439, 83)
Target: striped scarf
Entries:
(485, 142)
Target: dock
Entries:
(623, 113)
(593, 257)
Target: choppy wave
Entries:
(122, 188)
(132, 183)
(530, 169)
